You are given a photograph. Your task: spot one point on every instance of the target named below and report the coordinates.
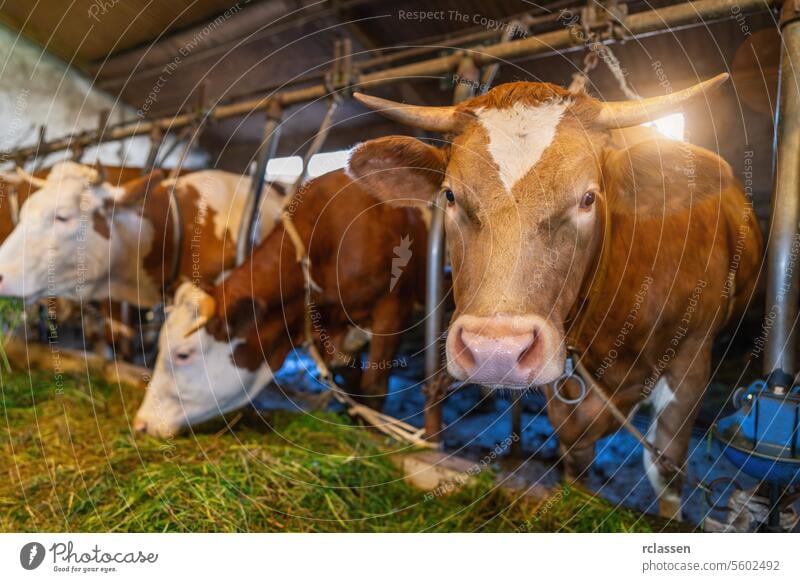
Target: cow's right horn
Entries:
(205, 311)
(438, 119)
(621, 114)
(38, 182)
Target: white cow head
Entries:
(195, 377)
(62, 244)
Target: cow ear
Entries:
(397, 169)
(658, 176)
(134, 192)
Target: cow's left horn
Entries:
(438, 119)
(102, 174)
(205, 311)
(38, 182)
(628, 113)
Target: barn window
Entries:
(289, 168)
(284, 169)
(327, 162)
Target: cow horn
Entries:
(621, 114)
(38, 182)
(438, 119)
(102, 174)
(134, 191)
(205, 311)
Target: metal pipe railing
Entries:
(783, 279)
(468, 80)
(635, 24)
(248, 230)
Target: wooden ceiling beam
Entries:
(44, 41)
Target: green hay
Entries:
(70, 463)
(12, 312)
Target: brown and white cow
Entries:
(368, 258)
(534, 187)
(84, 238)
(15, 188)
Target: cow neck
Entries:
(144, 274)
(129, 279)
(163, 261)
(588, 297)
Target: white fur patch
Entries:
(661, 397)
(226, 193)
(207, 384)
(519, 135)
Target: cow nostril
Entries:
(139, 426)
(463, 354)
(1, 278)
(529, 357)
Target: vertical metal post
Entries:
(156, 139)
(250, 217)
(515, 450)
(782, 260)
(38, 161)
(467, 80)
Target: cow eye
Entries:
(184, 355)
(451, 198)
(588, 199)
(62, 218)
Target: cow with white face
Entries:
(195, 378)
(83, 238)
(218, 349)
(557, 235)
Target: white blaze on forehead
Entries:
(518, 136)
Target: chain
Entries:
(594, 39)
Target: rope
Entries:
(384, 423)
(625, 421)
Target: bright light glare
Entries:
(670, 126)
(284, 169)
(324, 163)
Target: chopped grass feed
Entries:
(71, 463)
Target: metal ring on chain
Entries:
(564, 378)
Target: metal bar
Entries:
(269, 146)
(490, 72)
(783, 289)
(316, 144)
(550, 42)
(515, 450)
(467, 81)
(156, 140)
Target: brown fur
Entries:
(350, 238)
(677, 218)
